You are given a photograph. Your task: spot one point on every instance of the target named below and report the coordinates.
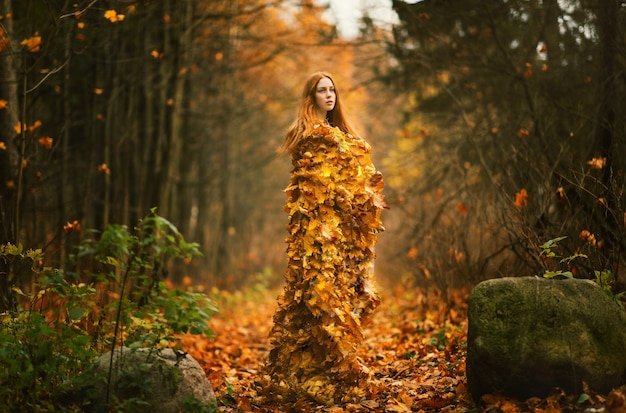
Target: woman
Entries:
(334, 203)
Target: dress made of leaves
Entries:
(334, 202)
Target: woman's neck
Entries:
(322, 115)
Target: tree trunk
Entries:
(608, 15)
(171, 172)
(9, 158)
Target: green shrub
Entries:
(563, 268)
(116, 295)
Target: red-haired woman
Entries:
(334, 203)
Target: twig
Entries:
(79, 12)
(50, 73)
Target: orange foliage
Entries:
(4, 40)
(415, 347)
(33, 44)
(597, 163)
(113, 16)
(462, 208)
(521, 198)
(71, 227)
(528, 72)
(104, 169)
(46, 142)
(416, 357)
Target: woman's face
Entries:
(325, 95)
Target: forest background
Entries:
(498, 126)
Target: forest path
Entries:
(418, 358)
(415, 346)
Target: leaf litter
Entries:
(415, 347)
(416, 357)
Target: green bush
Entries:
(604, 278)
(115, 295)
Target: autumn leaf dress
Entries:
(334, 202)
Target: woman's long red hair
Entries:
(307, 118)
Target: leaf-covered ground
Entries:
(415, 347)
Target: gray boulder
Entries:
(149, 380)
(529, 335)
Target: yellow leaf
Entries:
(110, 14)
(113, 17)
(309, 245)
(326, 170)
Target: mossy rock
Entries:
(148, 380)
(530, 335)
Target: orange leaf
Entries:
(113, 17)
(3, 104)
(522, 133)
(33, 44)
(71, 227)
(34, 126)
(413, 253)
(104, 169)
(46, 142)
(3, 146)
(521, 198)
(4, 40)
(597, 163)
(529, 71)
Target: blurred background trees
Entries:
(498, 126)
(517, 126)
